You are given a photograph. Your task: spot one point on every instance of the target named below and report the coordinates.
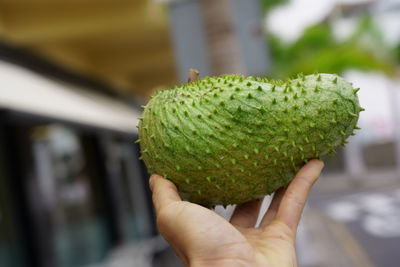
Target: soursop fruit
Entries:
(231, 139)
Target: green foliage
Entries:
(317, 50)
(269, 4)
(397, 52)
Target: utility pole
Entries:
(222, 43)
(218, 37)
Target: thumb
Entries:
(164, 192)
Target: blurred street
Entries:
(359, 226)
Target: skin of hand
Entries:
(200, 237)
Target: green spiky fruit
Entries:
(230, 139)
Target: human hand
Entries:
(200, 237)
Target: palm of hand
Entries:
(201, 237)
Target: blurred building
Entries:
(73, 75)
(122, 43)
(72, 188)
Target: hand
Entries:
(200, 237)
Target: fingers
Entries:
(164, 192)
(246, 215)
(273, 207)
(295, 197)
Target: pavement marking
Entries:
(350, 244)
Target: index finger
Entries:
(295, 197)
(164, 192)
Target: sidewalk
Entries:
(352, 224)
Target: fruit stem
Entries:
(193, 74)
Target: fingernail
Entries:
(321, 163)
(318, 163)
(151, 182)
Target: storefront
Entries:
(71, 185)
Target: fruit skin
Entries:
(230, 139)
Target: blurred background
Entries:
(73, 75)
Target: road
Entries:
(354, 229)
